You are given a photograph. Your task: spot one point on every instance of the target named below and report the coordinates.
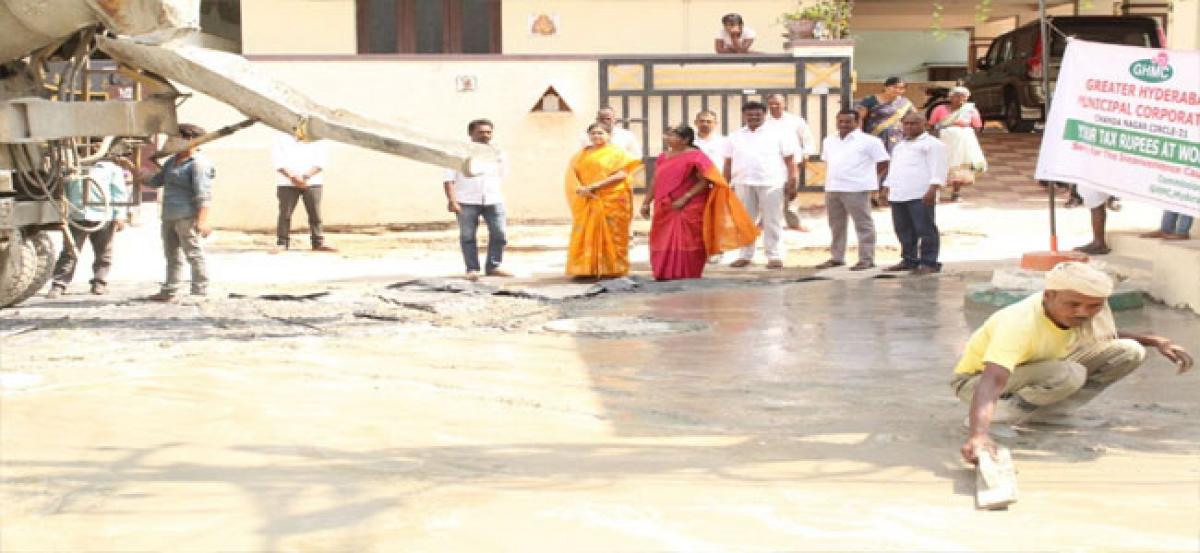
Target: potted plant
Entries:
(824, 19)
(802, 23)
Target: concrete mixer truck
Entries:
(56, 121)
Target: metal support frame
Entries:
(35, 120)
(686, 98)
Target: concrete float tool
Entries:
(995, 479)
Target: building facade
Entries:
(437, 64)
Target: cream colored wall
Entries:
(638, 26)
(635, 26)
(368, 188)
(1185, 25)
(299, 27)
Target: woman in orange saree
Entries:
(601, 201)
(696, 215)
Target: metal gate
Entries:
(652, 93)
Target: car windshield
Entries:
(1111, 34)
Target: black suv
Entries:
(1006, 84)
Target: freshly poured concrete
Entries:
(809, 416)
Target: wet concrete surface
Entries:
(804, 416)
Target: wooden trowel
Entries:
(995, 479)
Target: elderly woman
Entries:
(601, 200)
(734, 37)
(956, 124)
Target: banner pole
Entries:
(1045, 62)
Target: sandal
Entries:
(1094, 249)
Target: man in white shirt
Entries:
(795, 125)
(301, 168)
(854, 162)
(917, 171)
(708, 140)
(620, 135)
(760, 165)
(470, 198)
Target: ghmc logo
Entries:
(1155, 70)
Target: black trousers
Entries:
(102, 250)
(917, 230)
(288, 197)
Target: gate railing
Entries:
(656, 92)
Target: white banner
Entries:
(1126, 120)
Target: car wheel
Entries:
(1012, 116)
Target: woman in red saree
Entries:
(696, 215)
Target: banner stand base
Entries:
(1044, 261)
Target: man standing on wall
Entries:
(793, 125)
(470, 198)
(301, 168)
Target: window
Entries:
(221, 20)
(993, 55)
(428, 26)
(1001, 51)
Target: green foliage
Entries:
(983, 10)
(834, 15)
(939, 33)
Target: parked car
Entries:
(1007, 82)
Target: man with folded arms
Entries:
(854, 160)
(917, 170)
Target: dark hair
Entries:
(893, 81)
(685, 132)
(753, 105)
(599, 125)
(849, 112)
(732, 19)
(471, 126)
(188, 131)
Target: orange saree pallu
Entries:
(727, 226)
(599, 243)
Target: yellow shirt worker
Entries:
(1049, 354)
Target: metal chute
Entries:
(233, 80)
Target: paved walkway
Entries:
(1009, 180)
